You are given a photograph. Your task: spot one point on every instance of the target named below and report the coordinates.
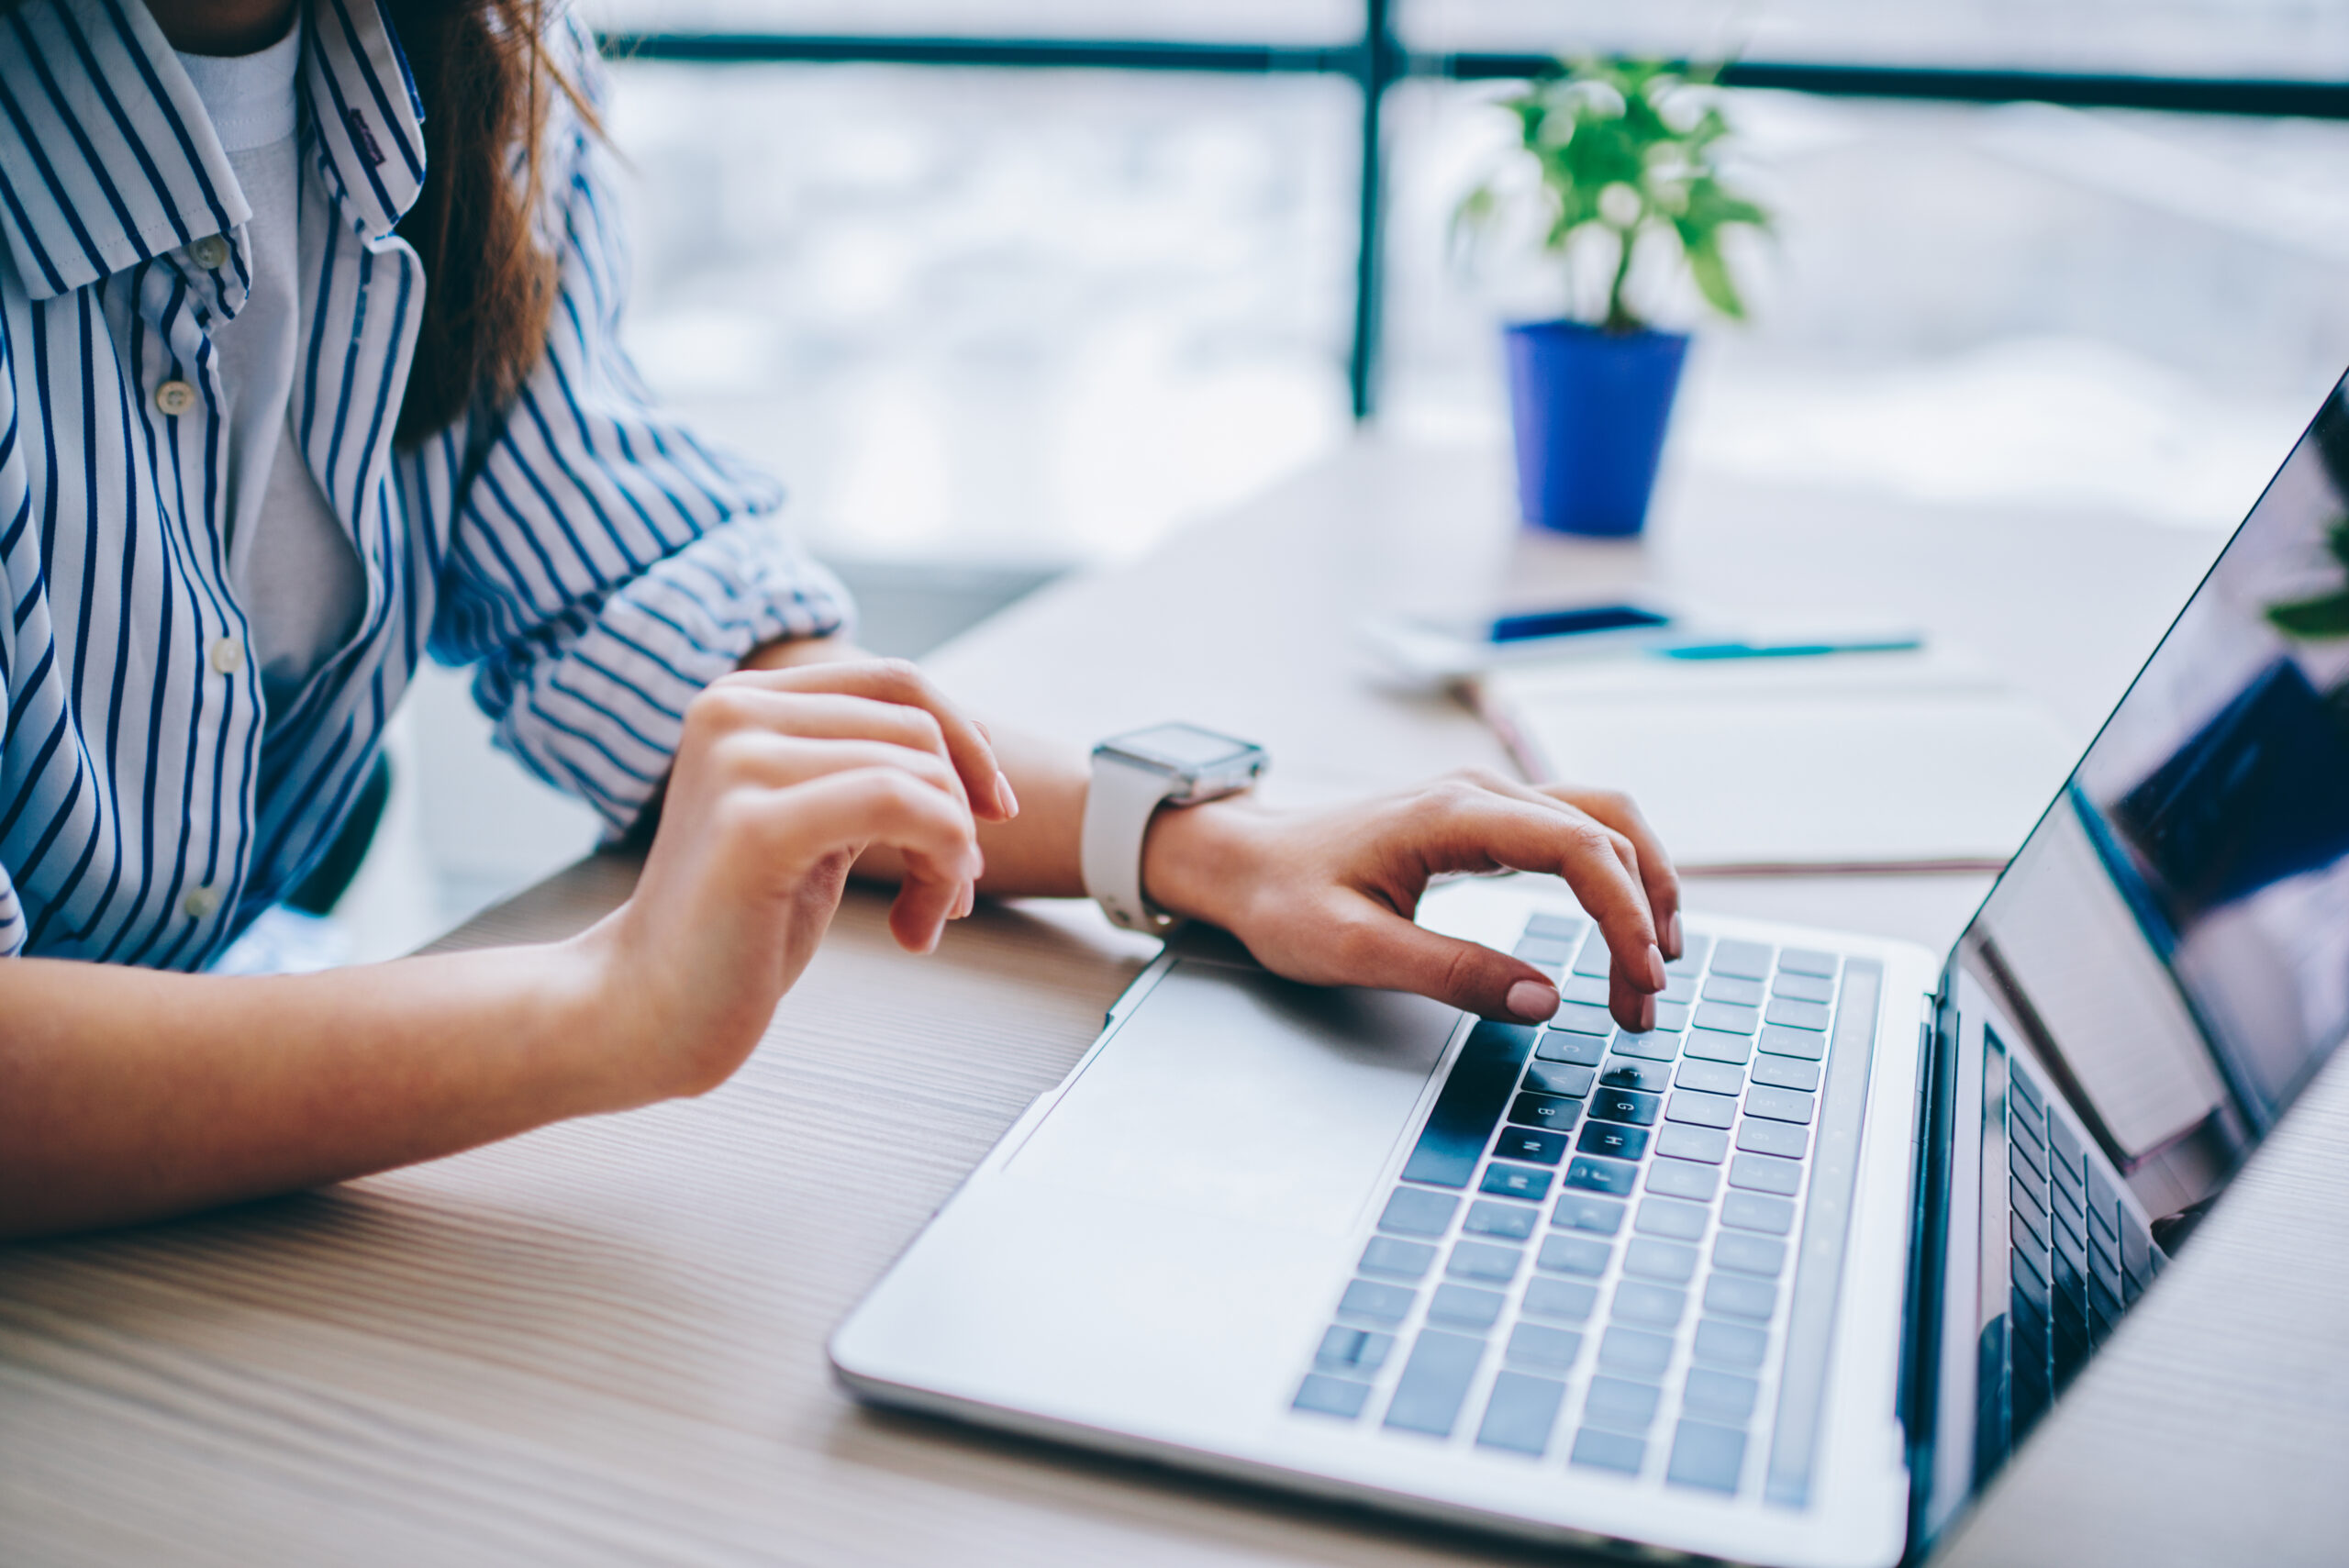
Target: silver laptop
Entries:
(1784, 1280)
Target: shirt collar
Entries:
(107, 158)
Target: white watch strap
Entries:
(1119, 806)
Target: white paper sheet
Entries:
(1858, 760)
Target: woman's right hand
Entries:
(783, 778)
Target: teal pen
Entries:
(1788, 650)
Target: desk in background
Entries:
(604, 1342)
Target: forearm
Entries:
(128, 1094)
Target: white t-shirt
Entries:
(291, 561)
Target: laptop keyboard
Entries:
(2079, 1259)
(1621, 1250)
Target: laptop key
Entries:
(1753, 1211)
(1484, 1262)
(1521, 1412)
(1620, 1405)
(1694, 950)
(1738, 1347)
(1557, 1078)
(1778, 1040)
(1465, 1306)
(1549, 1111)
(1633, 1072)
(1749, 1254)
(1650, 1305)
(1808, 961)
(1721, 1396)
(1536, 1349)
(1434, 1383)
(1624, 1106)
(1727, 1017)
(1516, 1181)
(1544, 954)
(1672, 1016)
(1576, 1211)
(1609, 1176)
(1564, 928)
(1613, 1139)
(1569, 1049)
(1706, 1456)
(1513, 1220)
(1727, 988)
(1802, 987)
(1531, 1143)
(1797, 1014)
(1764, 1174)
(1677, 987)
(1680, 1178)
(1681, 1141)
(1573, 1255)
(1559, 1301)
(1634, 1352)
(1735, 1296)
(1713, 1077)
(1669, 1217)
(1711, 1045)
(1353, 1351)
(1594, 959)
(1396, 1259)
(1376, 1303)
(1704, 1110)
(1597, 1450)
(1785, 1072)
(1747, 961)
(1415, 1211)
(1782, 1139)
(1780, 1105)
(1588, 989)
(1654, 1045)
(1581, 1017)
(1326, 1396)
(1672, 1263)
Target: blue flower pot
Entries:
(1590, 409)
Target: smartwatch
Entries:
(1133, 776)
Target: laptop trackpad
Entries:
(1232, 1092)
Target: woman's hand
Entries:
(1327, 896)
(783, 778)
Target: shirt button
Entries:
(200, 903)
(175, 398)
(209, 252)
(227, 654)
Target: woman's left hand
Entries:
(1328, 896)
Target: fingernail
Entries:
(1678, 945)
(1532, 1001)
(1004, 797)
(1657, 977)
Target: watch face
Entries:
(1180, 748)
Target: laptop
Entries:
(1784, 1280)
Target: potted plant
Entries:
(1626, 155)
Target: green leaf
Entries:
(2323, 618)
(1711, 271)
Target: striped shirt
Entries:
(596, 563)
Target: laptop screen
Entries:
(2173, 939)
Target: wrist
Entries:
(1198, 862)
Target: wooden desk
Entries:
(603, 1342)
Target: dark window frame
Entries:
(1377, 61)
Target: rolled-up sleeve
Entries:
(604, 565)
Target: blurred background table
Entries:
(604, 1342)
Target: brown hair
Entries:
(482, 69)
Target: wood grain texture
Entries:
(604, 1342)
